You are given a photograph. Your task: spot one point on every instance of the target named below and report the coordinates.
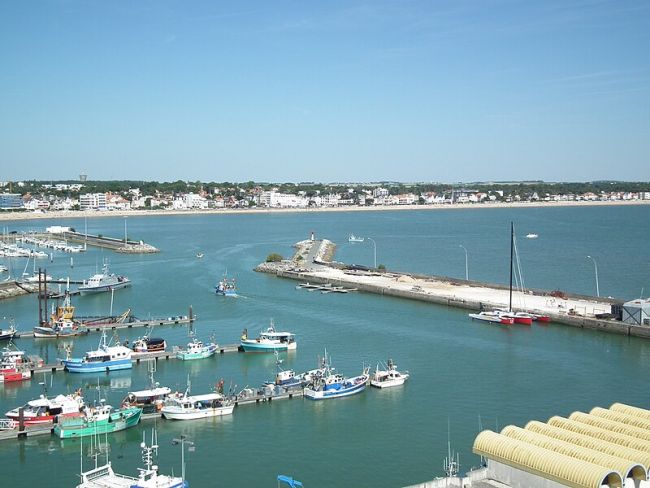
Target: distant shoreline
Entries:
(74, 214)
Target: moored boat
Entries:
(197, 350)
(103, 359)
(62, 322)
(44, 410)
(12, 365)
(97, 420)
(492, 316)
(150, 400)
(146, 344)
(353, 238)
(334, 385)
(9, 333)
(191, 407)
(523, 318)
(388, 376)
(149, 477)
(269, 340)
(104, 281)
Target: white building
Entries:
(92, 201)
(195, 201)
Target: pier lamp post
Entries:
(466, 266)
(375, 249)
(182, 441)
(596, 272)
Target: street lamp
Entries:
(182, 441)
(466, 267)
(595, 271)
(375, 248)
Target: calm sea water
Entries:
(463, 374)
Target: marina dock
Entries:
(312, 265)
(60, 240)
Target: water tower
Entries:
(83, 177)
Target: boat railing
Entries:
(7, 424)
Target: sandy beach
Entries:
(15, 216)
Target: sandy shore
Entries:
(11, 216)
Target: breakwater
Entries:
(569, 309)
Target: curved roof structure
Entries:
(612, 425)
(604, 444)
(624, 418)
(600, 433)
(636, 411)
(545, 463)
(626, 466)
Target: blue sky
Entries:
(325, 91)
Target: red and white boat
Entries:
(12, 365)
(44, 410)
(523, 318)
(492, 316)
(540, 317)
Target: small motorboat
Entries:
(199, 255)
(353, 238)
(532, 236)
(146, 344)
(197, 350)
(389, 376)
(9, 333)
(190, 407)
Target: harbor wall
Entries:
(604, 325)
(11, 289)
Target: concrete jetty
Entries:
(311, 263)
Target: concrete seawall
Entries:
(574, 310)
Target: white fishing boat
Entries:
(388, 376)
(12, 365)
(152, 399)
(269, 340)
(104, 281)
(353, 238)
(9, 333)
(191, 407)
(149, 477)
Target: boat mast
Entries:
(512, 245)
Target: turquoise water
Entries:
(461, 371)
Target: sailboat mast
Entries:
(512, 245)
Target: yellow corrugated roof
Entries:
(624, 418)
(612, 425)
(629, 409)
(602, 444)
(543, 462)
(626, 466)
(600, 433)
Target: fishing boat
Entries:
(12, 365)
(149, 477)
(492, 316)
(191, 407)
(9, 333)
(388, 376)
(197, 350)
(353, 238)
(287, 378)
(44, 410)
(227, 287)
(147, 344)
(97, 420)
(104, 281)
(269, 340)
(62, 322)
(334, 385)
(150, 400)
(103, 359)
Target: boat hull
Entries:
(178, 414)
(388, 383)
(79, 427)
(50, 333)
(254, 346)
(103, 288)
(74, 366)
(190, 356)
(495, 319)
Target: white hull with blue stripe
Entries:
(79, 366)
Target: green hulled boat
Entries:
(97, 420)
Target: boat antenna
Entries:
(512, 244)
(452, 463)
